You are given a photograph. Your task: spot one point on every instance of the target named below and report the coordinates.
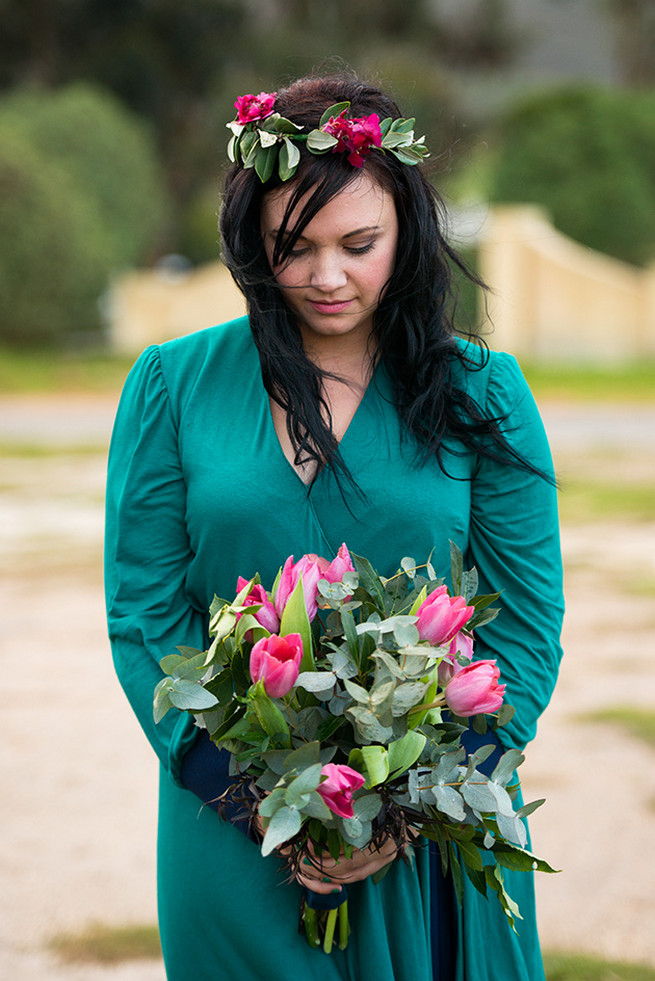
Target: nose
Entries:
(327, 271)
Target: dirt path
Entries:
(78, 804)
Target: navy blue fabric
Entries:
(205, 771)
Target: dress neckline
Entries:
(343, 442)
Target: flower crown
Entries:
(263, 139)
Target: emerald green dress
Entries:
(199, 493)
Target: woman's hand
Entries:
(325, 875)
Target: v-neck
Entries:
(343, 442)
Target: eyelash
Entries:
(361, 250)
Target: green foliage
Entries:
(50, 272)
(582, 967)
(588, 156)
(639, 723)
(103, 944)
(81, 198)
(109, 157)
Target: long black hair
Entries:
(413, 333)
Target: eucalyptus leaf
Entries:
(342, 664)
(456, 569)
(469, 585)
(285, 823)
(528, 809)
(368, 727)
(357, 692)
(506, 766)
(407, 695)
(408, 565)
(318, 682)
(478, 796)
(305, 756)
(316, 807)
(162, 702)
(272, 803)
(190, 697)
(512, 829)
(406, 634)
(303, 784)
(449, 802)
(367, 807)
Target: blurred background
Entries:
(540, 115)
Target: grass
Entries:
(102, 944)
(590, 500)
(23, 371)
(639, 723)
(630, 382)
(580, 967)
(46, 372)
(110, 945)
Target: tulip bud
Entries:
(276, 662)
(338, 787)
(440, 616)
(474, 689)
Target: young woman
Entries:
(342, 410)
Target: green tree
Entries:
(588, 156)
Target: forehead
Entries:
(361, 204)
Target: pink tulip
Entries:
(308, 567)
(276, 661)
(440, 616)
(338, 786)
(474, 689)
(250, 108)
(461, 645)
(335, 570)
(266, 614)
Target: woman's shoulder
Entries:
(231, 340)
(485, 374)
(175, 369)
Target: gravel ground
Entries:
(78, 811)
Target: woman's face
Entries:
(340, 265)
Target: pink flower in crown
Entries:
(338, 787)
(460, 646)
(356, 136)
(291, 572)
(266, 615)
(250, 108)
(366, 134)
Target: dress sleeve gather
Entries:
(514, 544)
(147, 554)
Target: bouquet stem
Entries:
(330, 924)
(310, 920)
(344, 925)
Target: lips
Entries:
(323, 306)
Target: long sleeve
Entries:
(147, 554)
(514, 544)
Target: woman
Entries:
(343, 410)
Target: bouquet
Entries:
(342, 697)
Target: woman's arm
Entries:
(514, 544)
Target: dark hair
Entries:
(412, 327)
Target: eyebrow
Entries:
(358, 231)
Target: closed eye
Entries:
(361, 249)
